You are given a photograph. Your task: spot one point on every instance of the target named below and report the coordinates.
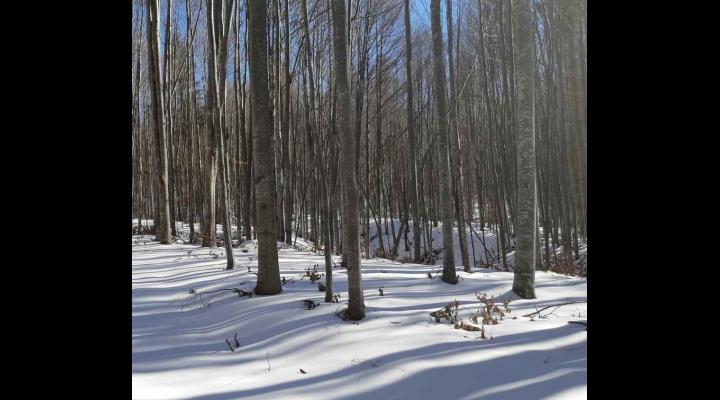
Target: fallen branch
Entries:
(578, 322)
(553, 305)
(240, 292)
(292, 279)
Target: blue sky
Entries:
(420, 18)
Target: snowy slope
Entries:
(482, 245)
(397, 352)
(487, 241)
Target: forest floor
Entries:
(179, 348)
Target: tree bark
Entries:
(455, 158)
(287, 194)
(449, 275)
(414, 197)
(351, 216)
(525, 230)
(162, 224)
(268, 281)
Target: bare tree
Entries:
(268, 281)
(350, 203)
(287, 194)
(162, 223)
(524, 271)
(455, 157)
(470, 138)
(446, 211)
(414, 198)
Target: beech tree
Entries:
(268, 281)
(448, 274)
(163, 222)
(350, 203)
(526, 229)
(432, 148)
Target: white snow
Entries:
(397, 352)
(487, 241)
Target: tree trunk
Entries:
(268, 281)
(525, 230)
(414, 197)
(351, 216)
(287, 194)
(209, 220)
(455, 158)
(162, 222)
(449, 275)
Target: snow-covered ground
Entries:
(398, 351)
(480, 241)
(482, 244)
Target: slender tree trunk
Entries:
(449, 275)
(162, 222)
(210, 230)
(246, 142)
(524, 271)
(455, 158)
(239, 130)
(287, 194)
(351, 217)
(414, 198)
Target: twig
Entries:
(292, 279)
(553, 305)
(213, 291)
(267, 357)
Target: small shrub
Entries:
(449, 312)
(489, 311)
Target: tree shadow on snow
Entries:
(523, 375)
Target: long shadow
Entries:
(446, 295)
(527, 303)
(208, 271)
(173, 258)
(454, 378)
(151, 248)
(188, 275)
(556, 283)
(157, 308)
(391, 270)
(140, 292)
(172, 265)
(487, 378)
(193, 313)
(173, 358)
(186, 264)
(290, 330)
